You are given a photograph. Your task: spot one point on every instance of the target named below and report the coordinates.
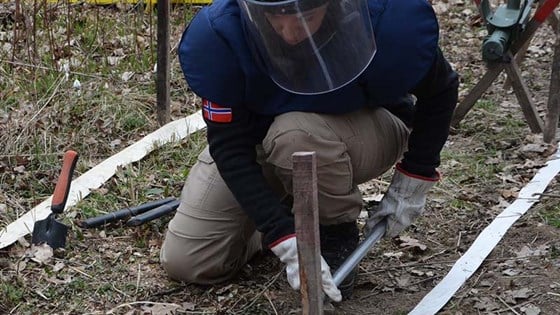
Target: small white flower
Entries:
(127, 76)
(66, 69)
(77, 85)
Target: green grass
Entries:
(551, 215)
(487, 105)
(159, 175)
(42, 115)
(11, 295)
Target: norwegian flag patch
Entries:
(216, 113)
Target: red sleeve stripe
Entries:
(430, 179)
(280, 240)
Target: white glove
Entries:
(403, 202)
(286, 250)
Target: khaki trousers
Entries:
(210, 237)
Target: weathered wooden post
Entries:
(306, 213)
(162, 71)
(553, 105)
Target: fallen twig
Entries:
(507, 305)
(459, 239)
(81, 272)
(474, 284)
(365, 297)
(518, 306)
(424, 280)
(119, 291)
(137, 282)
(547, 195)
(258, 295)
(15, 308)
(39, 293)
(271, 304)
(424, 259)
(167, 292)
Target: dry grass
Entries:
(75, 77)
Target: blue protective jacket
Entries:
(219, 67)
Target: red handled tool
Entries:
(49, 230)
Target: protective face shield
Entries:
(310, 46)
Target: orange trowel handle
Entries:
(63, 183)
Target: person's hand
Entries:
(403, 202)
(286, 250)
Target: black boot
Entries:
(337, 243)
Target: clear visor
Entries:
(310, 46)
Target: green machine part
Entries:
(503, 25)
(495, 45)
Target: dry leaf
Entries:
(188, 306)
(533, 147)
(522, 293)
(41, 253)
(403, 281)
(410, 242)
(127, 75)
(525, 251)
(509, 193)
(60, 280)
(417, 272)
(161, 309)
(58, 266)
(511, 272)
(486, 303)
(530, 309)
(393, 254)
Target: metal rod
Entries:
(361, 251)
(153, 213)
(124, 213)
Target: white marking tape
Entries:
(95, 177)
(487, 240)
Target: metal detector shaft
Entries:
(354, 259)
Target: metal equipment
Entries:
(504, 26)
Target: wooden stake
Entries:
(553, 106)
(523, 97)
(306, 213)
(162, 72)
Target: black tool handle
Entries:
(62, 188)
(124, 213)
(153, 214)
